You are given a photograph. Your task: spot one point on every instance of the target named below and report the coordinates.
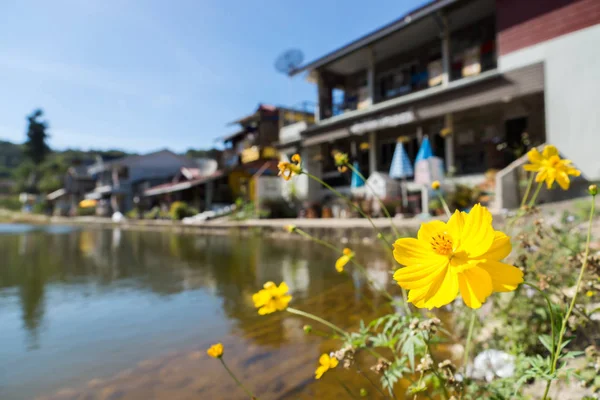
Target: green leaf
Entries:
(546, 341)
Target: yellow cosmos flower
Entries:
(589, 293)
(341, 159)
(215, 351)
(272, 298)
(344, 259)
(550, 167)
(461, 255)
(435, 185)
(325, 364)
(288, 169)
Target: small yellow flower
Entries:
(341, 159)
(344, 259)
(272, 298)
(435, 185)
(290, 228)
(215, 351)
(461, 255)
(326, 363)
(288, 169)
(550, 167)
(589, 293)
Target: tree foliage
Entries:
(36, 147)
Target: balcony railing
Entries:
(259, 153)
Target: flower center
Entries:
(442, 244)
(553, 161)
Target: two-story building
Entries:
(484, 79)
(256, 148)
(120, 181)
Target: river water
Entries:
(115, 314)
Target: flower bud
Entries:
(307, 328)
(435, 185)
(290, 228)
(363, 392)
(593, 189)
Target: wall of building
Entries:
(571, 65)
(525, 23)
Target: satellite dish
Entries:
(289, 60)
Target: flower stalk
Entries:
(565, 321)
(237, 381)
(318, 319)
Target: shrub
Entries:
(10, 203)
(180, 209)
(86, 212)
(278, 209)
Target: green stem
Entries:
(469, 338)
(549, 303)
(385, 210)
(317, 240)
(360, 371)
(526, 195)
(535, 194)
(318, 319)
(565, 320)
(418, 385)
(248, 392)
(444, 204)
(347, 200)
(435, 370)
(346, 388)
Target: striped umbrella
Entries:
(401, 168)
(357, 181)
(425, 150)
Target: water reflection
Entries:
(95, 301)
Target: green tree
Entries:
(36, 148)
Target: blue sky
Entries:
(147, 74)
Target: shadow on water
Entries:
(100, 313)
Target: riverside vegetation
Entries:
(521, 299)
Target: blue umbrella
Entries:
(357, 181)
(425, 151)
(401, 166)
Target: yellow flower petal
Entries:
(333, 362)
(455, 227)
(532, 167)
(534, 156)
(415, 277)
(324, 360)
(563, 180)
(478, 234)
(341, 263)
(430, 229)
(410, 251)
(320, 371)
(447, 291)
(550, 151)
(505, 277)
(475, 286)
(500, 248)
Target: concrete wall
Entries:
(572, 93)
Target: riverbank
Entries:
(351, 229)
